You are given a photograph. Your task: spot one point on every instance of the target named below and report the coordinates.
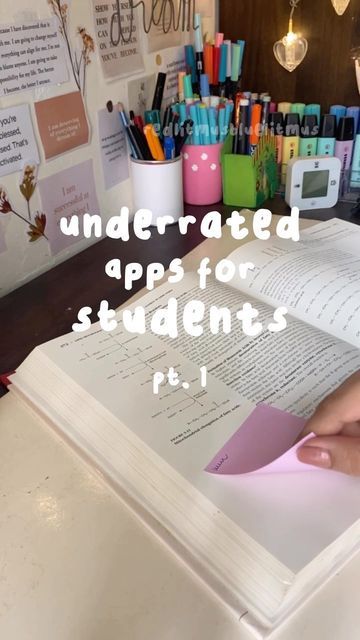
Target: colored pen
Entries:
(169, 148)
(159, 92)
(205, 89)
(199, 45)
(154, 143)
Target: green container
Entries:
(249, 180)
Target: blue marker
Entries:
(354, 112)
(183, 112)
(196, 130)
(222, 124)
(214, 128)
(204, 121)
(205, 89)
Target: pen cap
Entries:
(284, 107)
(327, 126)
(298, 107)
(276, 123)
(309, 127)
(338, 110)
(346, 129)
(292, 125)
(354, 112)
(313, 110)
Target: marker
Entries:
(255, 127)
(153, 117)
(204, 123)
(191, 62)
(219, 39)
(183, 112)
(181, 77)
(235, 65)
(313, 110)
(209, 63)
(327, 135)
(345, 142)
(169, 148)
(339, 111)
(154, 143)
(309, 132)
(188, 90)
(141, 142)
(184, 133)
(284, 107)
(196, 130)
(216, 64)
(199, 44)
(291, 141)
(265, 113)
(273, 107)
(222, 69)
(355, 173)
(241, 139)
(205, 89)
(242, 44)
(228, 67)
(214, 128)
(159, 92)
(298, 107)
(276, 126)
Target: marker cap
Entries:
(292, 124)
(309, 127)
(338, 110)
(276, 123)
(346, 129)
(354, 112)
(327, 126)
(204, 85)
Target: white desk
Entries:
(75, 564)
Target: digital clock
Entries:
(313, 183)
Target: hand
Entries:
(336, 423)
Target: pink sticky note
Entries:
(265, 442)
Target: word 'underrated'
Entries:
(117, 227)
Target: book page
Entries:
(292, 370)
(317, 279)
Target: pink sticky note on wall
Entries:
(264, 443)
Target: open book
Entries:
(263, 542)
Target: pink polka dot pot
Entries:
(202, 174)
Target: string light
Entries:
(340, 6)
(291, 50)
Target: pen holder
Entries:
(202, 174)
(249, 180)
(158, 186)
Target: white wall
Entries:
(22, 261)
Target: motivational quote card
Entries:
(70, 192)
(17, 139)
(117, 38)
(114, 155)
(31, 56)
(62, 123)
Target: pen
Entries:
(188, 91)
(209, 63)
(141, 142)
(169, 148)
(222, 69)
(159, 92)
(196, 130)
(205, 89)
(135, 151)
(199, 46)
(216, 67)
(204, 123)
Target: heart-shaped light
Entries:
(290, 51)
(340, 6)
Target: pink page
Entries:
(265, 443)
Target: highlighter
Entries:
(154, 143)
(339, 111)
(354, 112)
(313, 110)
(276, 127)
(345, 142)
(284, 107)
(309, 136)
(291, 142)
(298, 107)
(355, 173)
(327, 135)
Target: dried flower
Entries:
(37, 230)
(28, 183)
(88, 44)
(5, 206)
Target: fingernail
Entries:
(315, 457)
